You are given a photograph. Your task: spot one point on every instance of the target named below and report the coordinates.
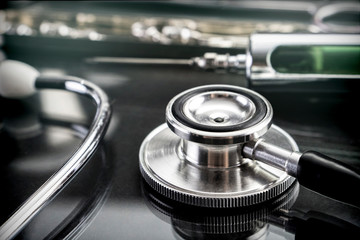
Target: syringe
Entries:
(277, 58)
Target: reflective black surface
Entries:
(37, 141)
(107, 200)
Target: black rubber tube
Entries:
(329, 177)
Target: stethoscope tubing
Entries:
(38, 200)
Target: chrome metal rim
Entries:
(219, 114)
(168, 172)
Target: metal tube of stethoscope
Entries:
(62, 177)
(273, 155)
(313, 170)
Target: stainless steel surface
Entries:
(166, 169)
(214, 61)
(216, 109)
(79, 158)
(211, 156)
(219, 108)
(222, 62)
(273, 155)
(219, 115)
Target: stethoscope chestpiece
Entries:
(219, 114)
(196, 158)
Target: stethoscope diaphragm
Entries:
(196, 158)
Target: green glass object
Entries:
(316, 59)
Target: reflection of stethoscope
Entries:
(204, 155)
(204, 223)
(248, 222)
(20, 80)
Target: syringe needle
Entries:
(146, 61)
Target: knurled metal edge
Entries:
(223, 224)
(223, 227)
(213, 225)
(217, 202)
(231, 224)
(219, 224)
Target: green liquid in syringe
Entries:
(316, 59)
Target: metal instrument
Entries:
(286, 58)
(220, 150)
(277, 58)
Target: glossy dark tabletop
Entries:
(108, 198)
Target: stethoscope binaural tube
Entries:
(19, 80)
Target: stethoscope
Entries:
(218, 149)
(19, 80)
